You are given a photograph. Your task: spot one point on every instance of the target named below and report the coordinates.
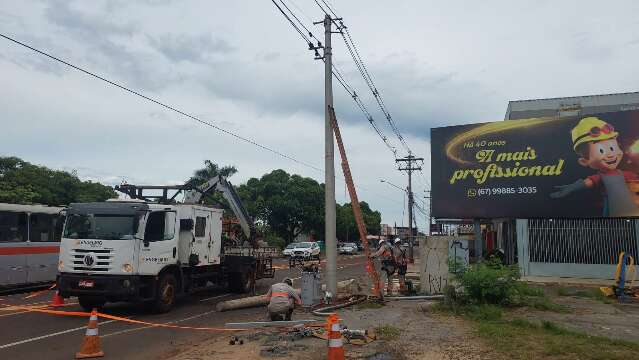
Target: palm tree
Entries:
(210, 170)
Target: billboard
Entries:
(569, 167)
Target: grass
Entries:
(589, 293)
(545, 304)
(523, 339)
(387, 332)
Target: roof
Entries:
(572, 105)
(36, 209)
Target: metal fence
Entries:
(581, 241)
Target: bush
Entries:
(488, 282)
(491, 282)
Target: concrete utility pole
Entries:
(329, 165)
(411, 166)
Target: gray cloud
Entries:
(240, 65)
(193, 48)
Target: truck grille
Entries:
(102, 260)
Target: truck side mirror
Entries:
(186, 224)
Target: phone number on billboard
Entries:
(506, 190)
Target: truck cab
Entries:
(135, 251)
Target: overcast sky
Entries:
(241, 66)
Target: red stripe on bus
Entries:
(25, 250)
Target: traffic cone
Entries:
(57, 300)
(335, 343)
(91, 344)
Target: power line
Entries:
(336, 73)
(169, 107)
(298, 20)
(361, 67)
(329, 8)
(306, 40)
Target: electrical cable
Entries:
(292, 23)
(157, 102)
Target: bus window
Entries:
(43, 227)
(13, 227)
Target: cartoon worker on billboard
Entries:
(595, 142)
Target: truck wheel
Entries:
(239, 283)
(88, 303)
(165, 296)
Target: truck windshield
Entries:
(104, 227)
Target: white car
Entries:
(288, 250)
(306, 250)
(348, 248)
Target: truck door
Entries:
(159, 245)
(202, 235)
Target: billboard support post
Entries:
(479, 247)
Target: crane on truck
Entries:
(151, 248)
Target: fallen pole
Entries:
(262, 324)
(261, 300)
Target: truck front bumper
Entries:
(114, 287)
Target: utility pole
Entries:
(412, 164)
(329, 162)
(430, 211)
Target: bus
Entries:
(29, 244)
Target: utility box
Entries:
(311, 287)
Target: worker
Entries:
(389, 266)
(401, 261)
(282, 299)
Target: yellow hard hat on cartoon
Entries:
(592, 129)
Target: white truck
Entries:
(152, 249)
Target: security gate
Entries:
(582, 248)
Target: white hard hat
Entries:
(397, 240)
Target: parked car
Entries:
(348, 248)
(306, 250)
(288, 250)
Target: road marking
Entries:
(215, 297)
(170, 322)
(47, 336)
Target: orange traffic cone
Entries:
(91, 344)
(335, 343)
(57, 300)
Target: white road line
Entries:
(47, 336)
(215, 297)
(149, 326)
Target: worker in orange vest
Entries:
(282, 299)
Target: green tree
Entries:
(288, 204)
(210, 170)
(347, 227)
(23, 183)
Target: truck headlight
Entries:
(60, 265)
(127, 268)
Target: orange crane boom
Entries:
(357, 211)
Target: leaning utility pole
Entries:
(329, 163)
(411, 166)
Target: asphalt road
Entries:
(32, 335)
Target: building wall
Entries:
(583, 248)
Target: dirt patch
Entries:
(416, 334)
